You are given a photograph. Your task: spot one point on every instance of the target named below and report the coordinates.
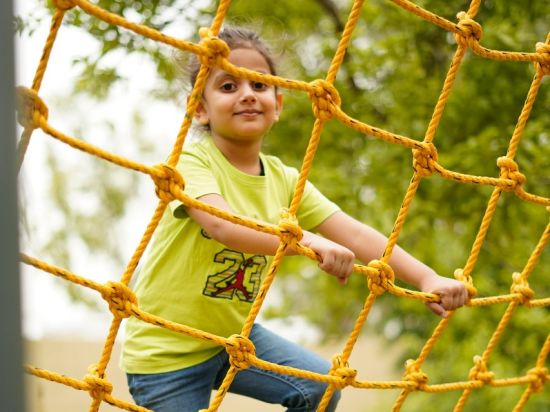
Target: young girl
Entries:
(205, 272)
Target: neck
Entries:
(245, 156)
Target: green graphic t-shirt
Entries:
(190, 278)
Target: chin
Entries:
(252, 134)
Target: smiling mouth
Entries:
(248, 113)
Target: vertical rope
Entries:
(318, 126)
(26, 135)
(482, 232)
(525, 112)
(345, 39)
(198, 88)
(444, 95)
(348, 348)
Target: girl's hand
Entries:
(336, 259)
(453, 294)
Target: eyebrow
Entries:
(222, 75)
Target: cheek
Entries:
(270, 103)
(222, 105)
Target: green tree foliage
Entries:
(391, 79)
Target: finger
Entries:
(457, 301)
(349, 266)
(466, 295)
(460, 299)
(327, 264)
(460, 295)
(343, 273)
(446, 301)
(454, 301)
(437, 309)
(331, 266)
(342, 276)
(450, 299)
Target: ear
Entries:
(279, 107)
(201, 114)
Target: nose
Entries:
(248, 94)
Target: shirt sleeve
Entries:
(198, 178)
(314, 208)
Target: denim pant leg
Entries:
(184, 390)
(296, 394)
(189, 389)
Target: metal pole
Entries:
(11, 351)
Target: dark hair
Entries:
(237, 38)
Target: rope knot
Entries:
(509, 170)
(470, 30)
(414, 374)
(479, 372)
(521, 287)
(214, 48)
(240, 349)
(325, 99)
(290, 229)
(467, 280)
(30, 107)
(342, 370)
(97, 387)
(539, 377)
(381, 278)
(167, 181)
(425, 160)
(120, 298)
(63, 4)
(544, 50)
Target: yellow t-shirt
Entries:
(190, 278)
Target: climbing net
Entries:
(169, 185)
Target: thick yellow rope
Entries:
(169, 185)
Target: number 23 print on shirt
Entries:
(239, 277)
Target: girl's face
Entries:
(238, 109)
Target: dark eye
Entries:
(259, 86)
(228, 87)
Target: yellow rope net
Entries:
(33, 114)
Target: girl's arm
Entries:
(336, 260)
(368, 244)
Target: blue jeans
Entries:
(189, 389)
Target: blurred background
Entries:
(127, 95)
